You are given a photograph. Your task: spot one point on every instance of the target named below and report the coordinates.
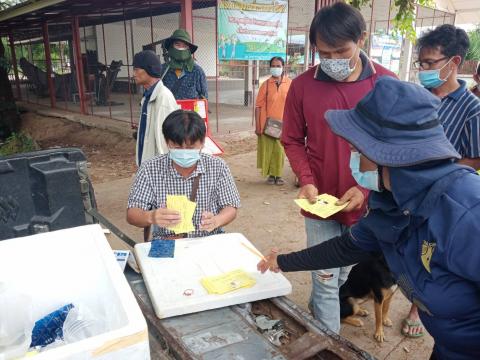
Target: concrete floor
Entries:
(233, 116)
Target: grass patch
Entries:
(18, 143)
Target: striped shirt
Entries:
(157, 178)
(459, 113)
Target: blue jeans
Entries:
(324, 300)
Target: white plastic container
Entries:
(77, 266)
(16, 322)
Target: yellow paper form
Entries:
(186, 208)
(230, 281)
(324, 207)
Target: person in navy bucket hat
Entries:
(422, 215)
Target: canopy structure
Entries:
(466, 11)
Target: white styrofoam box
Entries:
(77, 266)
(174, 283)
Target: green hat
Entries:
(183, 35)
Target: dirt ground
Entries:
(268, 217)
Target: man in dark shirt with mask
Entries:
(185, 78)
(319, 158)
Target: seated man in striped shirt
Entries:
(185, 170)
(441, 52)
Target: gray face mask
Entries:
(338, 69)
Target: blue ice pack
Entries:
(50, 327)
(161, 248)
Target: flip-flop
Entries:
(271, 180)
(410, 324)
(279, 181)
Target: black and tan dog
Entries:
(370, 278)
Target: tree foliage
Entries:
(404, 20)
(474, 50)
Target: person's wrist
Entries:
(216, 221)
(278, 260)
(150, 217)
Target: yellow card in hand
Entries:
(324, 207)
(227, 282)
(186, 208)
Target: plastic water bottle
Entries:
(16, 323)
(81, 324)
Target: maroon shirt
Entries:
(323, 158)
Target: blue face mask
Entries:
(430, 79)
(368, 179)
(184, 158)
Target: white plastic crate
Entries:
(77, 266)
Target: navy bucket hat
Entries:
(396, 124)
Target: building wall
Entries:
(163, 27)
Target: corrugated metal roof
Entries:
(25, 20)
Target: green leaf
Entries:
(474, 50)
(404, 20)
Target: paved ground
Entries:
(278, 223)
(232, 114)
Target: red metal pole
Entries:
(48, 65)
(186, 19)
(15, 69)
(77, 54)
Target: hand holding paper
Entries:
(324, 207)
(186, 208)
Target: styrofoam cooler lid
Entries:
(174, 283)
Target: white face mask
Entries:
(338, 69)
(276, 71)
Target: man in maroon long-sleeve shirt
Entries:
(319, 158)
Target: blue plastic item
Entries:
(162, 248)
(49, 328)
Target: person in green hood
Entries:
(185, 78)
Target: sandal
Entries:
(279, 181)
(271, 180)
(297, 182)
(412, 324)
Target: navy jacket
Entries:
(191, 85)
(428, 229)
